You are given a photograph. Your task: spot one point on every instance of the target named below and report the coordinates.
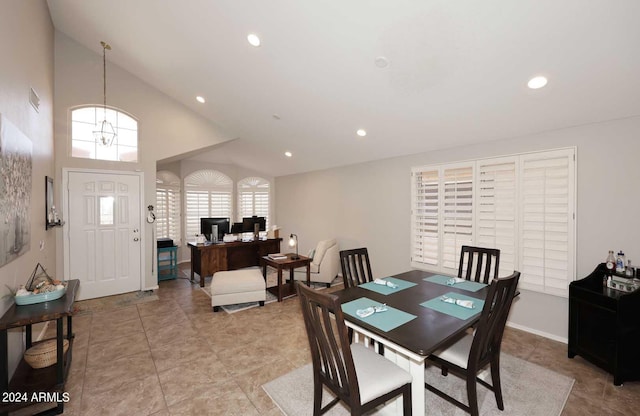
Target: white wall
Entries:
(26, 47)
(369, 205)
(166, 128)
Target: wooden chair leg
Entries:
(472, 394)
(495, 379)
(317, 399)
(406, 401)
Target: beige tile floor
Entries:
(174, 356)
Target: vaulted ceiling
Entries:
(417, 75)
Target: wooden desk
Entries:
(288, 263)
(410, 344)
(29, 380)
(206, 259)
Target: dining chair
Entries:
(356, 375)
(473, 352)
(356, 268)
(482, 263)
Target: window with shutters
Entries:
(168, 206)
(523, 205)
(208, 193)
(253, 198)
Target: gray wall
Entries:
(369, 205)
(26, 47)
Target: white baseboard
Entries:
(536, 332)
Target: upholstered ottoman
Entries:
(237, 286)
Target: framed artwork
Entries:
(15, 192)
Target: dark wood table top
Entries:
(19, 315)
(289, 262)
(431, 329)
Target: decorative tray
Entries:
(40, 297)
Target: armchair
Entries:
(325, 264)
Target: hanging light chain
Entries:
(105, 46)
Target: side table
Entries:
(27, 380)
(290, 264)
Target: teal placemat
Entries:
(386, 290)
(384, 321)
(453, 309)
(467, 285)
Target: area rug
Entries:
(272, 281)
(528, 390)
(241, 306)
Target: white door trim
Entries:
(65, 214)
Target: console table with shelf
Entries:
(604, 326)
(27, 379)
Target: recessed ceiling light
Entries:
(537, 82)
(200, 99)
(253, 39)
(361, 132)
(288, 154)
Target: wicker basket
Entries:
(43, 354)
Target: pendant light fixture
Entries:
(104, 133)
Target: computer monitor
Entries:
(236, 228)
(207, 224)
(248, 224)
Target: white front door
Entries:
(104, 238)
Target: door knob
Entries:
(136, 239)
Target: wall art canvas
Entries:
(15, 192)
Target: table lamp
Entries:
(293, 241)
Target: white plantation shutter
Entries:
(424, 217)
(167, 208)
(253, 198)
(523, 205)
(457, 214)
(208, 194)
(496, 225)
(547, 225)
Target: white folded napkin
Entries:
(460, 302)
(363, 313)
(385, 283)
(455, 280)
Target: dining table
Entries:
(417, 314)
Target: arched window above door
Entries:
(85, 120)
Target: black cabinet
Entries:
(604, 326)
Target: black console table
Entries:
(604, 326)
(26, 380)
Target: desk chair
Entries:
(356, 375)
(356, 268)
(479, 262)
(470, 354)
